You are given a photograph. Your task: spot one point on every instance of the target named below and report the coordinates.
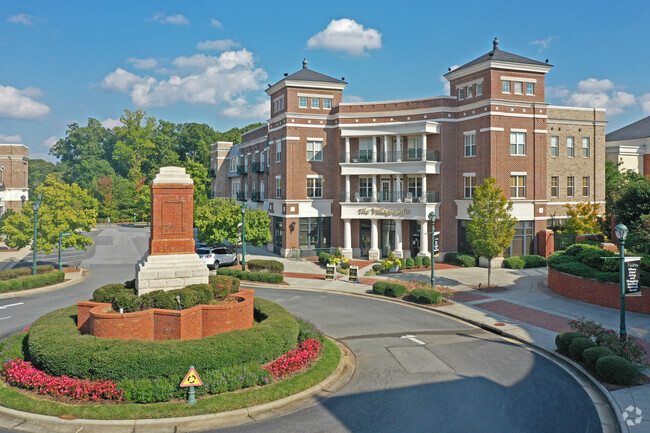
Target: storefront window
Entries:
(522, 243)
(314, 233)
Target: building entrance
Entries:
(415, 238)
(387, 237)
(364, 238)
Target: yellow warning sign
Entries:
(191, 379)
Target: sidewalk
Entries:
(526, 308)
(9, 257)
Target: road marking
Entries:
(2, 307)
(3, 318)
(413, 339)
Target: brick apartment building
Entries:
(14, 159)
(365, 176)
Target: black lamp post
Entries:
(243, 237)
(35, 206)
(621, 233)
(22, 199)
(432, 217)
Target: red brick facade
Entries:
(156, 324)
(172, 213)
(14, 160)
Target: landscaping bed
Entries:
(18, 279)
(416, 292)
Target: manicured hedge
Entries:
(392, 290)
(409, 263)
(425, 296)
(324, 258)
(534, 261)
(56, 346)
(9, 274)
(614, 369)
(591, 355)
(578, 345)
(258, 265)
(417, 260)
(563, 341)
(460, 259)
(31, 282)
(514, 263)
(264, 277)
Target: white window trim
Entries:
(518, 173)
(522, 79)
(526, 89)
(314, 139)
(518, 130)
(509, 87)
(472, 132)
(469, 174)
(311, 103)
(521, 92)
(306, 100)
(314, 176)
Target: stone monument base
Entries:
(169, 272)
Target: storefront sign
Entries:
(383, 212)
(353, 277)
(329, 272)
(632, 274)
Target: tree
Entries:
(491, 228)
(134, 143)
(257, 227)
(199, 174)
(583, 218)
(633, 202)
(616, 181)
(64, 208)
(217, 221)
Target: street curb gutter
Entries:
(77, 277)
(24, 421)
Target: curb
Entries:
(78, 277)
(25, 421)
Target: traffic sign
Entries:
(191, 379)
(66, 234)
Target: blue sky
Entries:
(210, 61)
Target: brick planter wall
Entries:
(156, 324)
(597, 292)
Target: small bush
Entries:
(514, 263)
(255, 276)
(559, 257)
(578, 269)
(410, 263)
(578, 345)
(275, 278)
(107, 292)
(324, 258)
(245, 275)
(591, 355)
(426, 261)
(380, 287)
(10, 274)
(460, 259)
(534, 261)
(402, 263)
(31, 282)
(377, 267)
(223, 285)
(425, 296)
(395, 290)
(128, 302)
(204, 293)
(616, 370)
(417, 262)
(345, 265)
(563, 341)
(257, 265)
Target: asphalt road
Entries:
(450, 377)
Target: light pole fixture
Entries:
(432, 218)
(621, 233)
(36, 205)
(22, 199)
(243, 237)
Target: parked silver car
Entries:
(214, 257)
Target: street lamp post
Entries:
(243, 237)
(22, 199)
(621, 233)
(35, 207)
(432, 217)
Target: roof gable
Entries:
(638, 129)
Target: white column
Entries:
(347, 149)
(386, 159)
(398, 253)
(374, 188)
(424, 146)
(424, 188)
(399, 148)
(374, 148)
(347, 188)
(373, 253)
(424, 238)
(347, 239)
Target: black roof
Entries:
(638, 129)
(501, 56)
(306, 74)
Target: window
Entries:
(470, 91)
(278, 151)
(517, 186)
(555, 145)
(569, 186)
(314, 151)
(585, 147)
(470, 184)
(530, 88)
(518, 87)
(470, 144)
(315, 102)
(555, 180)
(302, 102)
(233, 165)
(585, 186)
(461, 94)
(414, 147)
(365, 187)
(314, 233)
(278, 187)
(365, 149)
(570, 147)
(261, 190)
(479, 89)
(415, 186)
(262, 159)
(505, 86)
(253, 158)
(327, 103)
(517, 143)
(315, 188)
(523, 241)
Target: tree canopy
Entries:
(583, 219)
(217, 220)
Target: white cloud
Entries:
(557, 92)
(111, 123)
(346, 35)
(595, 85)
(446, 87)
(219, 45)
(10, 138)
(177, 19)
(215, 23)
(543, 43)
(243, 110)
(148, 63)
(644, 101)
(50, 141)
(21, 19)
(121, 80)
(18, 104)
(595, 93)
(352, 98)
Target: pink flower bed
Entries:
(294, 360)
(23, 374)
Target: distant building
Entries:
(14, 160)
(630, 146)
(364, 176)
(219, 169)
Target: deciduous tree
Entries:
(583, 218)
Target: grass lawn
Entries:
(13, 399)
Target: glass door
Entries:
(385, 189)
(364, 233)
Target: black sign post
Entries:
(353, 277)
(632, 275)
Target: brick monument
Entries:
(171, 262)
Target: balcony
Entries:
(257, 196)
(258, 167)
(397, 206)
(241, 196)
(393, 197)
(409, 162)
(408, 156)
(242, 169)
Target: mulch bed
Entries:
(490, 289)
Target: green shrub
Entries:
(578, 345)
(258, 265)
(204, 293)
(56, 346)
(377, 268)
(395, 290)
(534, 261)
(559, 257)
(10, 274)
(409, 263)
(107, 292)
(563, 341)
(591, 355)
(514, 263)
(307, 330)
(460, 259)
(578, 269)
(612, 277)
(275, 278)
(223, 285)
(32, 281)
(158, 299)
(379, 288)
(616, 370)
(255, 276)
(324, 258)
(245, 275)
(425, 296)
(345, 265)
(591, 256)
(426, 261)
(417, 262)
(128, 302)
